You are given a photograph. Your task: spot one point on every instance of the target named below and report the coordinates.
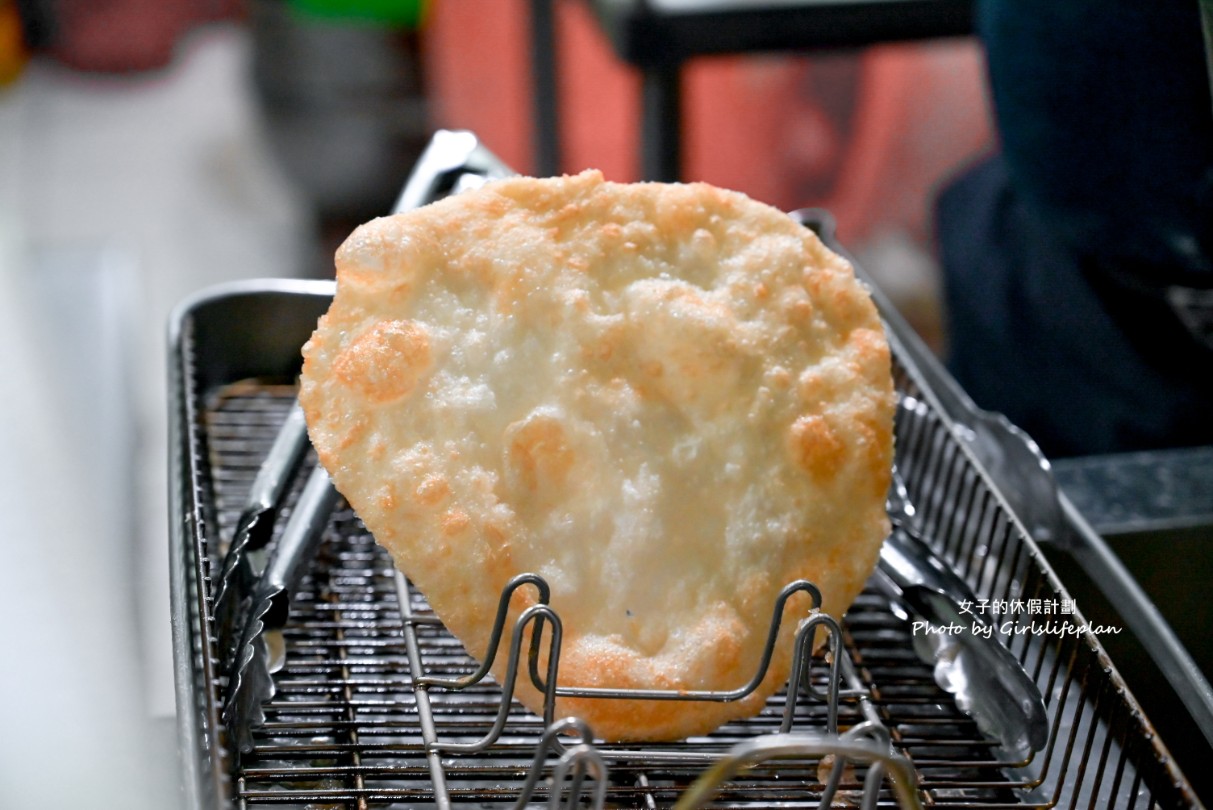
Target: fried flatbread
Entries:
(667, 400)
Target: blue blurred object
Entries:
(1078, 262)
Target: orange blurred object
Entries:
(13, 53)
(867, 134)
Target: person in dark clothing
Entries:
(1078, 260)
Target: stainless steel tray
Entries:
(346, 728)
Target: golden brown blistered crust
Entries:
(668, 400)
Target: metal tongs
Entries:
(259, 576)
(245, 558)
(988, 682)
(261, 651)
(254, 593)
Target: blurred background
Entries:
(152, 148)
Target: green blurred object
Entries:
(403, 13)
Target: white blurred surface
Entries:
(118, 197)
